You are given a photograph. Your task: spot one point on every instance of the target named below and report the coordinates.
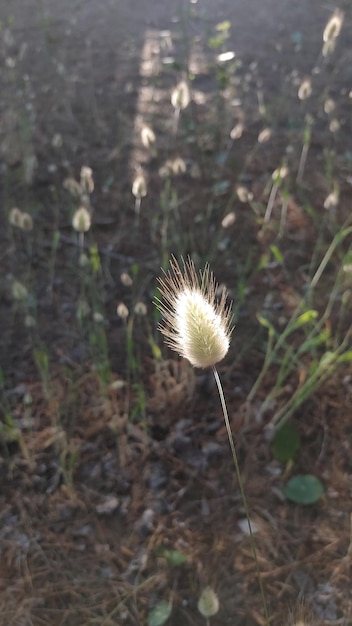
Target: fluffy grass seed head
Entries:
(21, 220)
(81, 220)
(180, 96)
(237, 131)
(87, 182)
(139, 186)
(122, 311)
(195, 324)
(333, 26)
(208, 603)
(305, 89)
(19, 291)
(264, 135)
(148, 137)
(15, 217)
(26, 222)
(73, 187)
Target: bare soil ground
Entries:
(98, 483)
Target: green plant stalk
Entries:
(270, 205)
(243, 495)
(311, 385)
(164, 201)
(307, 134)
(272, 350)
(55, 243)
(339, 238)
(99, 351)
(291, 359)
(283, 217)
(131, 360)
(41, 359)
(267, 361)
(322, 373)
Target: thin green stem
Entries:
(243, 495)
(328, 254)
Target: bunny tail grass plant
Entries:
(199, 328)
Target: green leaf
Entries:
(277, 254)
(347, 258)
(285, 443)
(216, 42)
(345, 357)
(327, 359)
(264, 260)
(155, 349)
(314, 342)
(160, 613)
(306, 317)
(264, 322)
(304, 489)
(94, 258)
(223, 26)
(174, 557)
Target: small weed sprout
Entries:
(199, 329)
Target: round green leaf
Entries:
(174, 557)
(160, 613)
(285, 443)
(304, 489)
